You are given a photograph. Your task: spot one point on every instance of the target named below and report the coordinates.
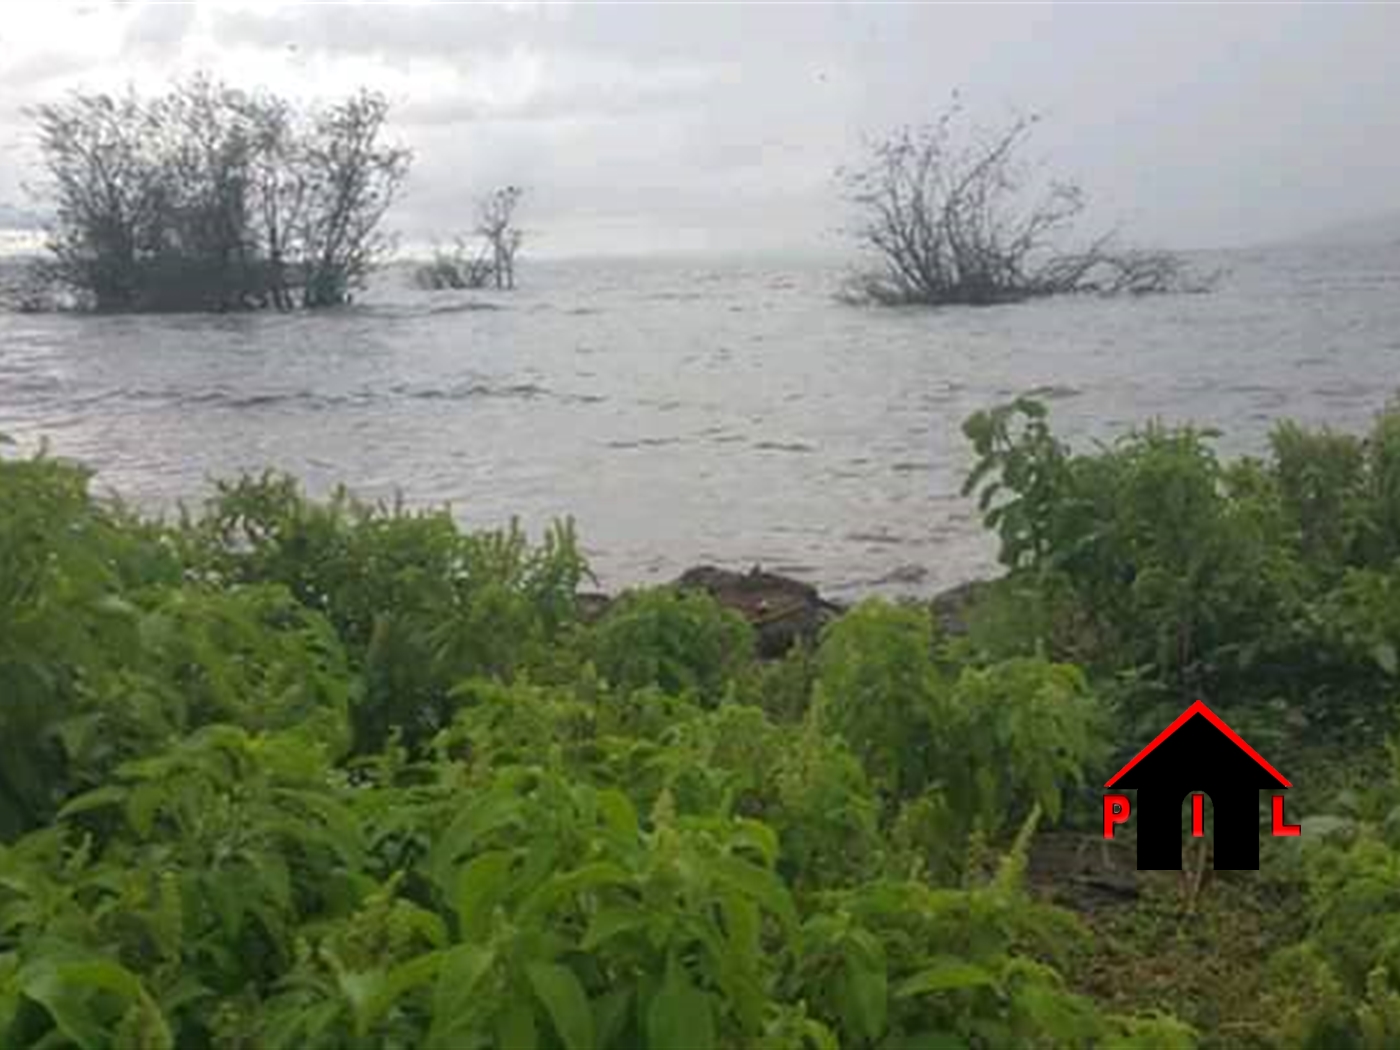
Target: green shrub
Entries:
(1321, 478)
(418, 604)
(782, 687)
(680, 641)
(1253, 584)
(298, 774)
(878, 688)
(989, 742)
(1172, 555)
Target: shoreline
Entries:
(784, 611)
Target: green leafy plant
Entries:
(286, 773)
(679, 641)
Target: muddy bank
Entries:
(784, 611)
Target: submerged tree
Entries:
(954, 216)
(208, 197)
(462, 265)
(490, 259)
(106, 185)
(496, 222)
(351, 182)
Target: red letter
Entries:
(1198, 816)
(1115, 811)
(1280, 828)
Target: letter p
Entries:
(1115, 811)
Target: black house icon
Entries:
(1198, 753)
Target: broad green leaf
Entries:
(397, 983)
(760, 836)
(944, 976)
(515, 1026)
(868, 991)
(9, 1005)
(457, 1004)
(680, 1016)
(114, 605)
(359, 989)
(482, 885)
(613, 922)
(494, 811)
(98, 798)
(100, 974)
(610, 1015)
(143, 802)
(617, 811)
(743, 924)
(64, 990)
(566, 1003)
(759, 884)
(335, 826)
(561, 887)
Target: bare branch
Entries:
(951, 219)
(493, 262)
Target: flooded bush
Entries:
(954, 215)
(211, 198)
(489, 261)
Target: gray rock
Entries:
(782, 611)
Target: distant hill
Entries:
(1370, 230)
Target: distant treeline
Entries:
(211, 198)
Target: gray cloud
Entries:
(153, 31)
(31, 72)
(442, 31)
(574, 86)
(1190, 125)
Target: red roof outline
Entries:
(1199, 708)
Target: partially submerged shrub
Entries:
(953, 215)
(209, 198)
(460, 268)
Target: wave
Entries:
(464, 308)
(219, 398)
(1053, 392)
(652, 442)
(783, 446)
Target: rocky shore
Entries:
(784, 611)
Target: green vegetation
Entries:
(288, 773)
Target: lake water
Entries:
(694, 411)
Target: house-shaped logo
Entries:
(1198, 754)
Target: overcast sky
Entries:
(640, 128)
